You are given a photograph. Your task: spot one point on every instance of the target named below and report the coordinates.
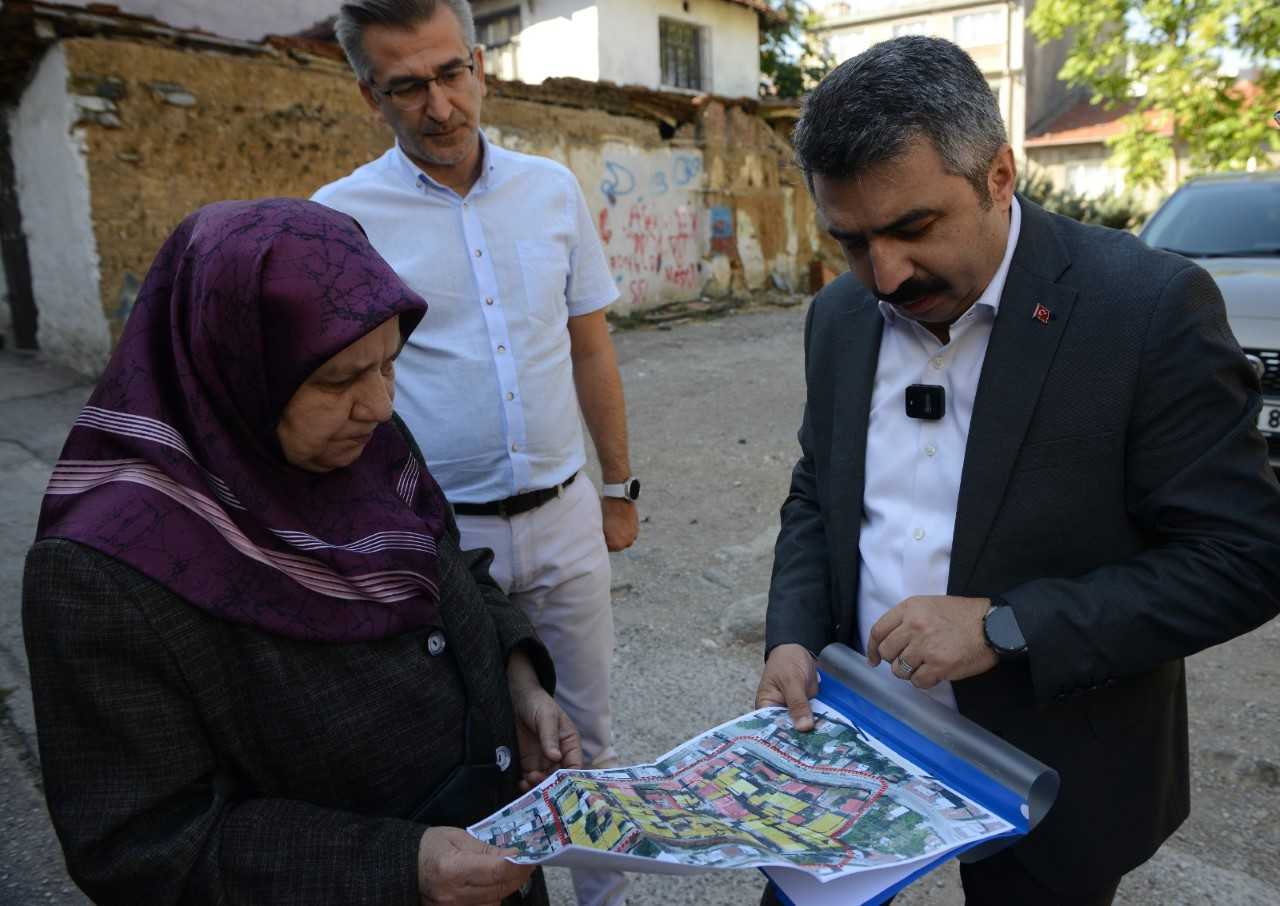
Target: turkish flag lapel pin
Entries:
(1042, 314)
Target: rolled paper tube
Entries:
(1034, 783)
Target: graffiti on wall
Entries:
(651, 223)
(722, 239)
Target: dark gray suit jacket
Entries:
(189, 760)
(1115, 491)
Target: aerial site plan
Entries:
(750, 793)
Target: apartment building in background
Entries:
(1022, 73)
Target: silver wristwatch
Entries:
(626, 490)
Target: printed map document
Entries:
(847, 813)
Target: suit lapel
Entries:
(851, 411)
(1034, 311)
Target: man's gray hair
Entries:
(354, 17)
(870, 108)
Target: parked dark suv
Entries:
(1230, 224)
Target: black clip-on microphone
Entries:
(927, 401)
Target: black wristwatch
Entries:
(1001, 633)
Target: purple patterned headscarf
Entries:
(174, 467)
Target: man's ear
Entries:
(477, 54)
(1002, 176)
(366, 92)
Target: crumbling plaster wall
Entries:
(49, 162)
(646, 195)
(773, 236)
(181, 129)
(714, 210)
(717, 209)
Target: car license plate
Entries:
(1269, 417)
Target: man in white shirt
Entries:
(503, 249)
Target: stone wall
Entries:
(171, 130)
(714, 208)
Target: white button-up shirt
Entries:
(913, 466)
(486, 383)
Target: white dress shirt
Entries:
(913, 466)
(485, 383)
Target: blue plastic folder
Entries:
(950, 747)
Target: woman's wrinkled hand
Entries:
(456, 869)
(548, 739)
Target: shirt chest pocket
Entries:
(544, 269)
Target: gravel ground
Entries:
(714, 406)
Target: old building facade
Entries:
(710, 46)
(119, 127)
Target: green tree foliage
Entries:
(1164, 57)
(1118, 211)
(793, 59)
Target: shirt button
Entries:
(435, 643)
(479, 253)
(936, 361)
(503, 757)
(510, 395)
(488, 300)
(502, 349)
(931, 450)
(918, 534)
(515, 448)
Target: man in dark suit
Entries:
(1030, 479)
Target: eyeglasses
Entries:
(412, 94)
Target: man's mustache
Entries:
(913, 290)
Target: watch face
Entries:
(633, 489)
(1003, 632)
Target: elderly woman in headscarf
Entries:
(263, 670)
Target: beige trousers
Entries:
(552, 562)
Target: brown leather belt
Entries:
(514, 506)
